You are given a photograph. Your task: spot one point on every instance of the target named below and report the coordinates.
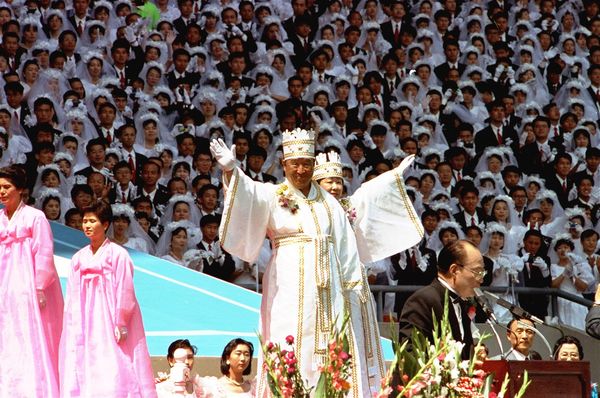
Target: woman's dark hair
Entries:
(181, 165)
(48, 199)
(181, 343)
(567, 340)
(229, 349)
(265, 132)
(16, 175)
(122, 217)
(178, 230)
(101, 209)
(564, 242)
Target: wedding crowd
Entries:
(499, 101)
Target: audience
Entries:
(494, 100)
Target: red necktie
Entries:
(122, 80)
(458, 176)
(499, 136)
(564, 185)
(209, 247)
(377, 101)
(124, 198)
(413, 259)
(16, 115)
(79, 28)
(132, 165)
(13, 64)
(555, 130)
(473, 222)
(396, 33)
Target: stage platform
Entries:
(177, 302)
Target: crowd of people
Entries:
(499, 101)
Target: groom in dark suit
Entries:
(460, 270)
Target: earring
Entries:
(227, 362)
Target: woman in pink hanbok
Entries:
(31, 301)
(103, 350)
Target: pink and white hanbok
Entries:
(30, 335)
(99, 297)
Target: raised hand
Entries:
(225, 157)
(405, 164)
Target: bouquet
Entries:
(285, 380)
(435, 369)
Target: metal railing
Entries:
(554, 293)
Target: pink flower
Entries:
(289, 339)
(344, 356)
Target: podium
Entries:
(549, 379)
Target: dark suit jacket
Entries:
(85, 172)
(441, 71)
(530, 161)
(387, 31)
(161, 197)
(460, 218)
(487, 138)
(532, 277)
(222, 271)
(71, 19)
(180, 26)
(300, 53)
(417, 313)
(266, 178)
(553, 184)
(412, 275)
(191, 78)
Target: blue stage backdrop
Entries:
(177, 302)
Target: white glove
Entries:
(186, 98)
(236, 31)
(368, 141)
(130, 34)
(363, 174)
(405, 164)
(538, 262)
(225, 157)
(568, 272)
(510, 73)
(459, 97)
(448, 108)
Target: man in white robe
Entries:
(315, 273)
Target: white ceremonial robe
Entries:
(386, 222)
(313, 276)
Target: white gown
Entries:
(570, 313)
(314, 274)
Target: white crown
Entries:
(298, 143)
(328, 165)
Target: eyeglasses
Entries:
(478, 273)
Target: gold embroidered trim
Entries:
(408, 204)
(230, 206)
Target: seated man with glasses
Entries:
(520, 332)
(460, 270)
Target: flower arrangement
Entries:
(287, 199)
(350, 211)
(435, 369)
(285, 380)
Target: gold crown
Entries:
(298, 143)
(328, 165)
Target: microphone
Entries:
(484, 304)
(515, 309)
